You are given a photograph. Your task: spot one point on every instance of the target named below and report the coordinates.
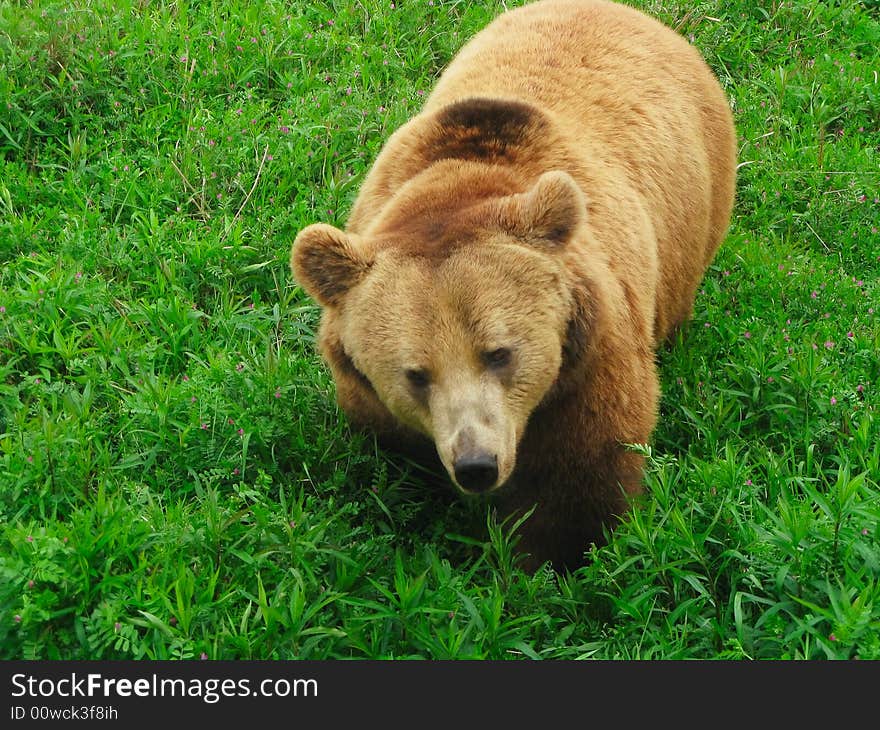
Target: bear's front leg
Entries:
(574, 464)
(573, 505)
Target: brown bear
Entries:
(516, 254)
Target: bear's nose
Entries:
(476, 472)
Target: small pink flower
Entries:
(277, 393)
(832, 637)
(748, 482)
(17, 618)
(241, 432)
(203, 656)
(814, 295)
(860, 388)
(30, 538)
(833, 401)
(117, 626)
(747, 335)
(236, 471)
(829, 345)
(30, 584)
(204, 427)
(850, 334)
(865, 532)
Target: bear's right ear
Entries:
(326, 264)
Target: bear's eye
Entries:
(418, 377)
(498, 358)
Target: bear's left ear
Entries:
(327, 263)
(549, 213)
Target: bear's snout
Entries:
(476, 472)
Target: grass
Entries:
(175, 479)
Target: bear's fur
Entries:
(516, 254)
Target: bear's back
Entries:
(589, 62)
(643, 111)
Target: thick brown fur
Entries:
(518, 251)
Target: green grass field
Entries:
(175, 478)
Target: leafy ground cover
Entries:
(175, 479)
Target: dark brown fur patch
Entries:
(580, 327)
(484, 130)
(346, 364)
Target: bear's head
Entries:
(460, 326)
